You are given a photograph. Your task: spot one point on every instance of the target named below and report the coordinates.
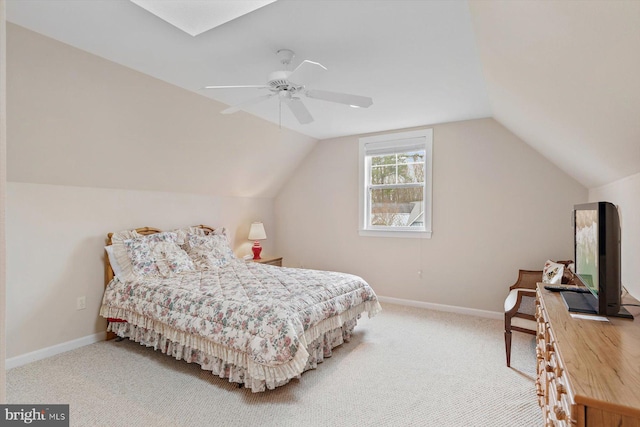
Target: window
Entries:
(395, 184)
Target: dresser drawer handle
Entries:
(560, 413)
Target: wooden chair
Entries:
(519, 307)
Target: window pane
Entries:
(403, 174)
(397, 207)
(383, 175)
(411, 157)
(412, 172)
(383, 160)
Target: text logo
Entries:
(34, 415)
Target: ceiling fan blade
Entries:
(237, 87)
(299, 110)
(342, 98)
(306, 72)
(252, 101)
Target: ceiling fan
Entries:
(288, 86)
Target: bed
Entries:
(183, 292)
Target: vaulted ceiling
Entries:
(562, 75)
(565, 77)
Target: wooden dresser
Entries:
(588, 371)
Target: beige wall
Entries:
(625, 193)
(55, 240)
(3, 179)
(498, 206)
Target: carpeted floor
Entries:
(404, 367)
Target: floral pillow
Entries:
(165, 236)
(142, 261)
(209, 251)
(141, 255)
(183, 235)
(170, 259)
(552, 273)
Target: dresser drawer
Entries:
(554, 393)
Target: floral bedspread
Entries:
(257, 316)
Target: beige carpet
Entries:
(404, 367)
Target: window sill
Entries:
(391, 233)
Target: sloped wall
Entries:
(498, 206)
(77, 119)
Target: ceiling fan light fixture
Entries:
(286, 56)
(286, 84)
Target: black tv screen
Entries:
(597, 260)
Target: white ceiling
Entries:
(416, 59)
(194, 17)
(562, 75)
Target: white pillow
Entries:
(552, 273)
(117, 270)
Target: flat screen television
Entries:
(596, 241)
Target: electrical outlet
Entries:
(81, 303)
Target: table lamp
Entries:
(257, 233)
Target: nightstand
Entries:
(277, 261)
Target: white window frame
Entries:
(393, 141)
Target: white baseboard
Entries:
(442, 307)
(23, 359)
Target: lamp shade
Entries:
(256, 232)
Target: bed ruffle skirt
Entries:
(318, 343)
